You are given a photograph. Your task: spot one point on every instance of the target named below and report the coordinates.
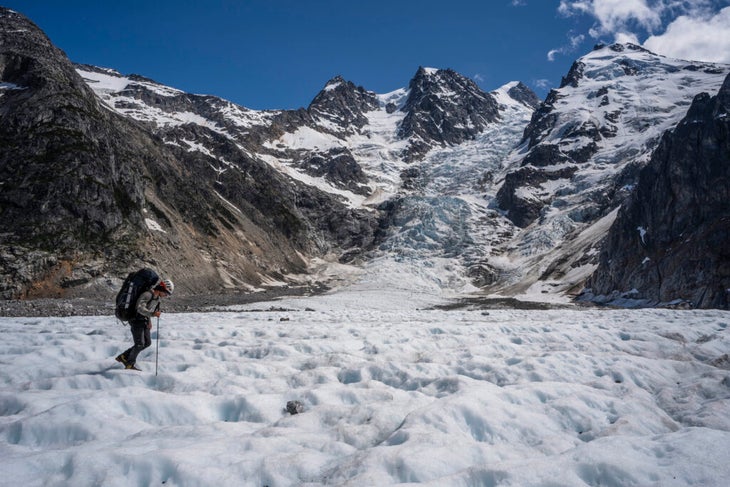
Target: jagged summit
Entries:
(334, 82)
(444, 108)
(343, 104)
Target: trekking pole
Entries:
(157, 352)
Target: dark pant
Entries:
(142, 340)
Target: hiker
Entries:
(148, 305)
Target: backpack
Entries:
(132, 288)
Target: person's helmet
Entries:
(166, 286)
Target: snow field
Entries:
(393, 395)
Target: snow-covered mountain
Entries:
(474, 192)
(440, 109)
(609, 113)
(410, 156)
(580, 156)
(487, 190)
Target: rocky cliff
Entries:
(89, 193)
(671, 240)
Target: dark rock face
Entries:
(671, 240)
(543, 120)
(575, 74)
(444, 108)
(48, 123)
(524, 95)
(87, 193)
(526, 207)
(339, 167)
(68, 182)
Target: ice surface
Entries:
(394, 392)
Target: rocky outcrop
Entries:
(339, 168)
(525, 205)
(444, 108)
(521, 93)
(341, 105)
(670, 240)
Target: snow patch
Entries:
(306, 138)
(332, 86)
(10, 86)
(153, 225)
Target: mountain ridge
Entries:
(580, 157)
(493, 193)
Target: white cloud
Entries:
(519, 3)
(542, 83)
(479, 78)
(689, 29)
(626, 37)
(614, 16)
(699, 39)
(575, 41)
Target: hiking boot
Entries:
(121, 359)
(131, 367)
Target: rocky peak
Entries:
(444, 108)
(521, 93)
(30, 61)
(343, 104)
(575, 73)
(723, 99)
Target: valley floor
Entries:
(393, 390)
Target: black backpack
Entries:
(134, 285)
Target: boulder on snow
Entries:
(294, 407)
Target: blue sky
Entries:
(267, 54)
